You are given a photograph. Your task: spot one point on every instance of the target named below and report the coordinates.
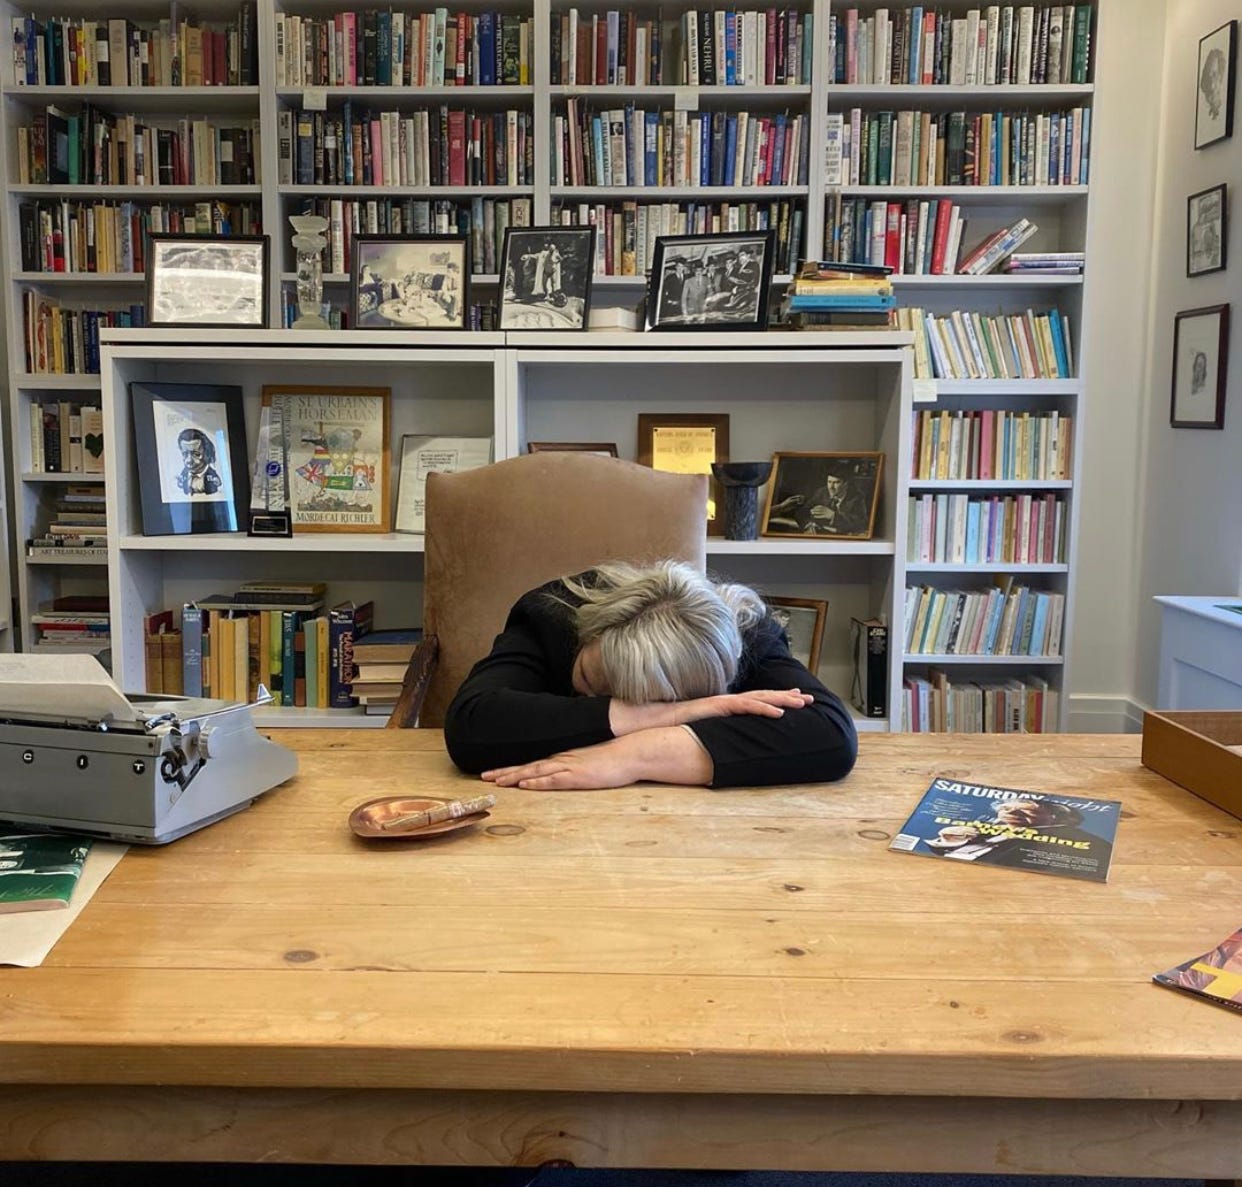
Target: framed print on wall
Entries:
(711, 282)
(207, 280)
(1214, 85)
(418, 282)
(1207, 232)
(191, 438)
(545, 278)
(603, 448)
(687, 443)
(803, 622)
(824, 494)
(1200, 358)
(337, 460)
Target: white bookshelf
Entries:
(1063, 212)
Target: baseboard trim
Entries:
(1089, 714)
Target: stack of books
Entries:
(78, 529)
(73, 624)
(380, 659)
(996, 248)
(827, 296)
(1046, 263)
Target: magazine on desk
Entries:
(1215, 976)
(1071, 836)
(39, 871)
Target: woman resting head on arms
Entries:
(625, 673)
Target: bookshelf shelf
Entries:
(932, 280)
(717, 546)
(985, 660)
(924, 484)
(145, 100)
(603, 193)
(170, 192)
(80, 277)
(32, 476)
(54, 382)
(936, 97)
(917, 567)
(406, 191)
(1007, 387)
(84, 562)
(405, 95)
(971, 195)
(356, 543)
(682, 94)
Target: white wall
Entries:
(1129, 50)
(1190, 512)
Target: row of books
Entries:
(73, 624)
(1007, 619)
(999, 45)
(66, 437)
(75, 51)
(959, 529)
(635, 147)
(934, 704)
(61, 341)
(991, 444)
(77, 527)
(704, 47)
(967, 345)
(627, 230)
(444, 146)
(913, 148)
(484, 220)
(93, 147)
(1045, 263)
(390, 48)
(110, 237)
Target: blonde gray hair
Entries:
(666, 631)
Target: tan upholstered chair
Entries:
(496, 532)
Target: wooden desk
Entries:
(648, 977)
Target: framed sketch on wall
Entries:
(1207, 233)
(1200, 356)
(1214, 85)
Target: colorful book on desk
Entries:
(38, 871)
(1068, 835)
(1216, 975)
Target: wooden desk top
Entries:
(651, 939)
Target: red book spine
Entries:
(944, 211)
(892, 238)
(769, 48)
(601, 51)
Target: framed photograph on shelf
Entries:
(824, 494)
(194, 475)
(1207, 233)
(803, 620)
(603, 448)
(687, 443)
(711, 282)
(207, 280)
(545, 277)
(419, 282)
(1200, 359)
(336, 456)
(424, 454)
(1214, 85)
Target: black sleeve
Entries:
(518, 705)
(815, 744)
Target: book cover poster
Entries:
(1216, 975)
(1070, 836)
(38, 871)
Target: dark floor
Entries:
(112, 1174)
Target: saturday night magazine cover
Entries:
(1067, 835)
(1216, 975)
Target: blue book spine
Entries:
(487, 49)
(1058, 344)
(843, 301)
(808, 44)
(998, 613)
(778, 150)
(915, 75)
(651, 129)
(1086, 146)
(192, 650)
(973, 508)
(597, 150)
(731, 78)
(1054, 145)
(730, 149)
(383, 48)
(1018, 620)
(347, 123)
(1039, 625)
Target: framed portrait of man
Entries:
(813, 495)
(1200, 356)
(194, 476)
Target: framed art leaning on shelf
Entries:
(824, 494)
(417, 282)
(711, 282)
(194, 476)
(545, 277)
(207, 280)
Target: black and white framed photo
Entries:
(546, 278)
(803, 622)
(1207, 233)
(711, 282)
(410, 282)
(824, 494)
(1200, 358)
(193, 475)
(207, 280)
(1214, 85)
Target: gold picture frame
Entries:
(817, 495)
(687, 443)
(337, 455)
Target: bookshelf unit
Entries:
(1062, 212)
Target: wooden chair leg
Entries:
(414, 688)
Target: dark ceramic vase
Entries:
(741, 482)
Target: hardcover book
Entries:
(1216, 975)
(38, 871)
(1070, 836)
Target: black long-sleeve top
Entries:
(518, 705)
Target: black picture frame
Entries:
(729, 302)
(1207, 231)
(564, 304)
(414, 284)
(238, 294)
(179, 427)
(1215, 83)
(803, 505)
(1200, 368)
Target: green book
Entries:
(38, 871)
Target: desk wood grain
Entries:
(649, 976)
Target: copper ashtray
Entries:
(370, 819)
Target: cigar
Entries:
(452, 810)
